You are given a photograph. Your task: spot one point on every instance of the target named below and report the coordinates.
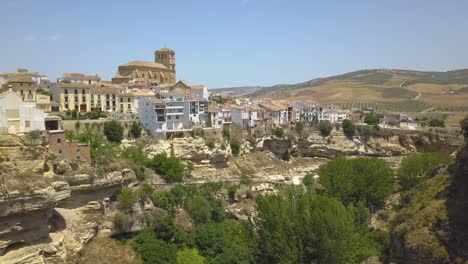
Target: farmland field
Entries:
(402, 106)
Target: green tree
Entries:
(279, 132)
(464, 127)
(325, 128)
(164, 227)
(415, 168)
(189, 256)
(235, 147)
(153, 250)
(113, 131)
(126, 198)
(135, 130)
(299, 127)
(297, 226)
(348, 128)
(164, 200)
(367, 180)
(199, 209)
(371, 120)
(225, 242)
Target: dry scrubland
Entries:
(384, 90)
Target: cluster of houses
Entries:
(147, 91)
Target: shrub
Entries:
(122, 222)
(135, 130)
(245, 179)
(113, 131)
(171, 168)
(348, 128)
(299, 127)
(436, 123)
(279, 132)
(464, 127)
(286, 156)
(232, 191)
(135, 155)
(371, 120)
(415, 168)
(308, 180)
(34, 134)
(235, 147)
(325, 128)
(226, 132)
(126, 198)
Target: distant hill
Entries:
(374, 85)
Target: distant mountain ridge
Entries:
(375, 85)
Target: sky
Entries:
(226, 43)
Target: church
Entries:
(161, 71)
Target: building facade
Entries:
(161, 71)
(17, 116)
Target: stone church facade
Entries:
(161, 71)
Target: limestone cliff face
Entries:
(397, 144)
(194, 149)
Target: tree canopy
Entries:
(297, 226)
(113, 131)
(367, 180)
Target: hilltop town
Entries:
(170, 168)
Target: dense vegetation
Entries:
(361, 180)
(416, 168)
(298, 226)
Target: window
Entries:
(60, 151)
(128, 106)
(27, 123)
(177, 117)
(128, 99)
(121, 99)
(76, 91)
(59, 140)
(66, 106)
(169, 118)
(66, 91)
(83, 91)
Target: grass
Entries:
(424, 211)
(108, 251)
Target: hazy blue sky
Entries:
(234, 42)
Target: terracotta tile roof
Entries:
(21, 79)
(144, 64)
(75, 85)
(197, 87)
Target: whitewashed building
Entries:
(17, 116)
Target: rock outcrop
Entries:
(195, 149)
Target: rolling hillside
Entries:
(402, 87)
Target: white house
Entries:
(17, 116)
